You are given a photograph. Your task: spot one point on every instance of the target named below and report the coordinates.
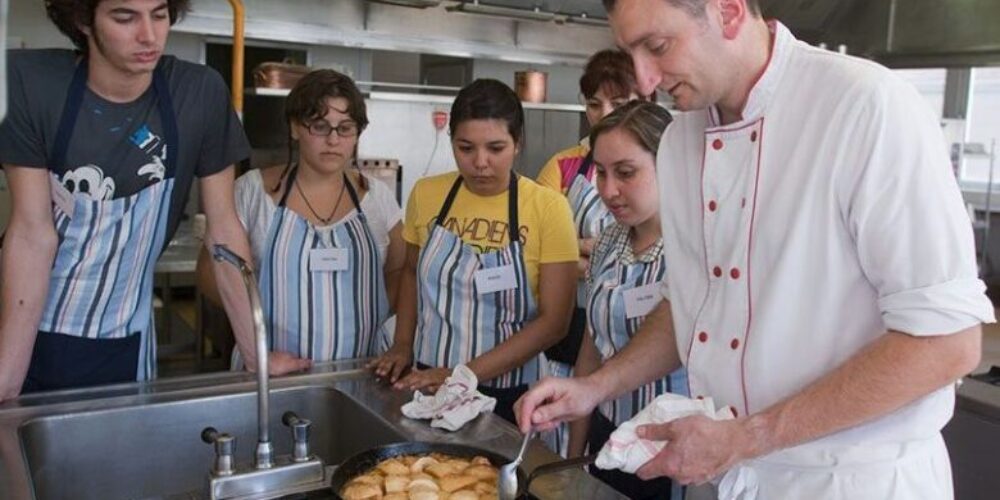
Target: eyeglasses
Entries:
(322, 128)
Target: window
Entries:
(930, 84)
(984, 125)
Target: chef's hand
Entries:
(393, 363)
(423, 380)
(554, 400)
(280, 363)
(9, 391)
(698, 448)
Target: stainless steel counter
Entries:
(146, 435)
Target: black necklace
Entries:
(323, 220)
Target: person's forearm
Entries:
(27, 266)
(892, 372)
(649, 355)
(406, 312)
(587, 361)
(537, 335)
(392, 278)
(233, 292)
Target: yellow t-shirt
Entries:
(546, 230)
(559, 171)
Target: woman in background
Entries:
(608, 82)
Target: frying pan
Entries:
(366, 460)
(363, 462)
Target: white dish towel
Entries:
(454, 404)
(625, 451)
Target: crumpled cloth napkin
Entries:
(625, 451)
(454, 404)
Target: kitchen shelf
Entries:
(423, 98)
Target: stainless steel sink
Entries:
(155, 450)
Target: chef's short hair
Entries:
(611, 70)
(696, 8)
(488, 99)
(70, 15)
(645, 121)
(307, 100)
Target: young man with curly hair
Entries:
(101, 146)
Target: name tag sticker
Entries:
(495, 279)
(328, 259)
(641, 300)
(62, 197)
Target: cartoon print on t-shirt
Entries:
(89, 180)
(155, 147)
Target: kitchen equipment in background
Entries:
(386, 170)
(530, 85)
(278, 75)
(972, 436)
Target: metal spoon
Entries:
(508, 472)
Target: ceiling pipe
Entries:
(239, 16)
(474, 7)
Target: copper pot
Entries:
(530, 85)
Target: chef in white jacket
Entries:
(822, 280)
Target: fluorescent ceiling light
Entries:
(420, 4)
(475, 7)
(583, 18)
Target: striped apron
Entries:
(101, 285)
(456, 323)
(590, 217)
(318, 314)
(612, 329)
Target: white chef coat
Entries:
(800, 234)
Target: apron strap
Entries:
(585, 165)
(71, 108)
(512, 225)
(352, 193)
(168, 119)
(288, 185)
(512, 222)
(449, 200)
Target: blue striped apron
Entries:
(456, 324)
(316, 314)
(612, 330)
(101, 285)
(590, 217)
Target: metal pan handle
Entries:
(556, 467)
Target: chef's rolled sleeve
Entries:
(907, 217)
(938, 309)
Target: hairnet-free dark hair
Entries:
(610, 69)
(70, 15)
(488, 99)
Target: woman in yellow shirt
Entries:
(490, 262)
(608, 82)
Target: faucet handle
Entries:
(225, 447)
(300, 435)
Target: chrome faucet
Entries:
(265, 451)
(271, 476)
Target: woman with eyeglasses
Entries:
(326, 240)
(608, 82)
